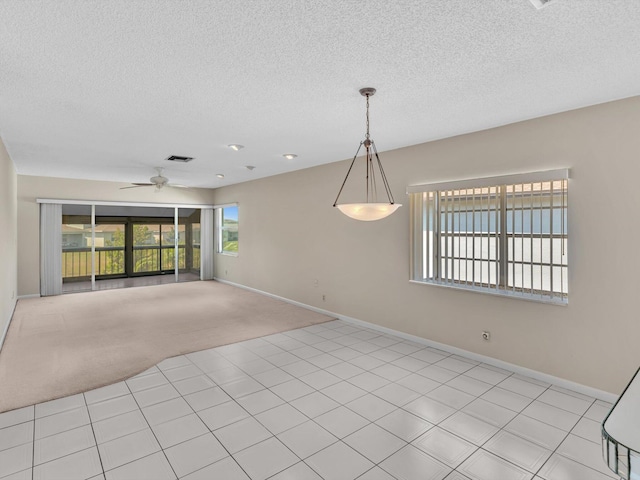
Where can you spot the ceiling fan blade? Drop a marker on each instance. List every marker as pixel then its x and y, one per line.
pixel 137 185
pixel 176 185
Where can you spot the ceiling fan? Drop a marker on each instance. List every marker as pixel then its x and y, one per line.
pixel 157 181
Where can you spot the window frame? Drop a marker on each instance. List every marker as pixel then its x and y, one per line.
pixel 426 237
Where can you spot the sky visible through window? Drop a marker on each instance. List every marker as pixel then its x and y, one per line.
pixel 230 213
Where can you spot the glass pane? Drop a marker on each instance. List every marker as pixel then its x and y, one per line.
pixel 515 275
pixel 76 248
pixel 195 245
pixel 463 229
pixel 189 244
pixel 167 241
pixel 229 231
pixel 110 249
pixel 559 279
pixel 146 247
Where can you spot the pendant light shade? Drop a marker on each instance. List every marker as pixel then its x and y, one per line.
pixel 368 211
pixel 371 209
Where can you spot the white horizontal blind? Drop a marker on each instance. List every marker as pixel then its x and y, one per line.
pixel 509 239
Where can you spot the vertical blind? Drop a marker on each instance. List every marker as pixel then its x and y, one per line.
pixel 505 235
pixel 50 249
pixel 206 244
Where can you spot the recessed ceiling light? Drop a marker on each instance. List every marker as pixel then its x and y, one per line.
pixel 235 146
pixel 249 167
pixel 289 156
pixel 219 175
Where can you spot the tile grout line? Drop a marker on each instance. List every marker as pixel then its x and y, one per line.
pixel 390 381
pixel 341 440
pixel 308 419
pixel 555 451
pixel 234 357
pixel 94 434
pixel 151 429
pixel 459 374
pixel 503 427
pixel 275 436
pixel 33 448
pixel 59 433
pixel 394 382
pixel 204 423
pixel 476 397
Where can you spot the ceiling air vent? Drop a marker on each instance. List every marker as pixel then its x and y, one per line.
pixel 178 158
pixel 541 3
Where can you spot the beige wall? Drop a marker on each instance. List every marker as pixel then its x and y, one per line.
pixel 30 188
pixel 290 237
pixel 8 239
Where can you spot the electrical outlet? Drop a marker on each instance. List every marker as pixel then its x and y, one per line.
pixel 486 336
pixel 324 298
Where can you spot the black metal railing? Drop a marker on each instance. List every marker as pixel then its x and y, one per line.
pixel 157 259
pixel 195 263
pixel 76 262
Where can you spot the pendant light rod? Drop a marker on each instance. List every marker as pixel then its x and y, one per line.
pixel 382 174
pixel 371 150
pixel 367 92
pixel 348 172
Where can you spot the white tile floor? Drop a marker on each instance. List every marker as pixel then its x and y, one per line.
pixel 332 401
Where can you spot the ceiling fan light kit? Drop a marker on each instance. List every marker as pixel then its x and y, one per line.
pixel 159 181
pixel 371 209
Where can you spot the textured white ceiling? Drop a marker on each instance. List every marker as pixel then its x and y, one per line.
pixel 108 89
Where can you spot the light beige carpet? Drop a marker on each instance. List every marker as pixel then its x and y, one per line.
pixel 59 346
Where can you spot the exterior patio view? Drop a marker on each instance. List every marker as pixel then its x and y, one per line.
pixel 129 247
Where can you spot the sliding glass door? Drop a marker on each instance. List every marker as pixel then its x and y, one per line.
pixel 127 243
pixel 155 245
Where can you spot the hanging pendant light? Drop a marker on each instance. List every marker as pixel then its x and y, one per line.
pixel 371 209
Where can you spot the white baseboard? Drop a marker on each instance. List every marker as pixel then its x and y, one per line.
pixel 527 372
pixel 33 295
pixel 6 328
pixel 536 375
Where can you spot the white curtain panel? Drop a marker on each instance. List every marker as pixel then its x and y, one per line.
pixel 206 244
pixel 50 249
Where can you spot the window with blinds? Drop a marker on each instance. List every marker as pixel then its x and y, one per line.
pixel 506 235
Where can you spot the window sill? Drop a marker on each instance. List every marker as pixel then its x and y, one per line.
pixel 228 254
pixel 498 293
